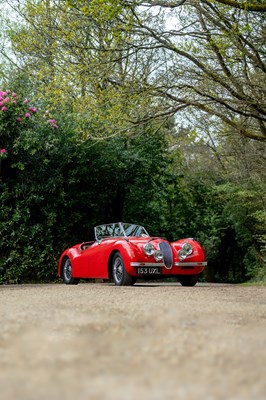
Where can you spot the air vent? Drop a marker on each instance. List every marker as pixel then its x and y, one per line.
pixel 167 254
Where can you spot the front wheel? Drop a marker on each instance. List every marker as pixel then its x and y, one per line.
pixel 188 280
pixel 120 275
pixel 67 273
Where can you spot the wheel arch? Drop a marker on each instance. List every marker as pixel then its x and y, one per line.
pixel 127 252
pixel 61 265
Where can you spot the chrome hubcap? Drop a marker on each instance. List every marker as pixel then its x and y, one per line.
pixel 68 270
pixel 118 269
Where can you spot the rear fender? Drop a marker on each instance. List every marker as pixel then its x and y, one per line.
pixel 72 254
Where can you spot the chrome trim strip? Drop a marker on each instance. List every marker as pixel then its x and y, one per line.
pixel 146 264
pixel 191 264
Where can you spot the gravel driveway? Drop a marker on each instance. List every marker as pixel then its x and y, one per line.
pixel 150 341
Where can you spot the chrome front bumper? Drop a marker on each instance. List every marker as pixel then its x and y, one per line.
pixel 146 264
pixel 191 264
pixel 176 264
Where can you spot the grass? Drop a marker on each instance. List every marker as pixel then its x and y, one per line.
pixel 255 283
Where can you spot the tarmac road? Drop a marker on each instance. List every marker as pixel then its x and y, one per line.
pixel 146 342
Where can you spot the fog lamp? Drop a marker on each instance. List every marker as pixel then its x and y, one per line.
pixel 158 255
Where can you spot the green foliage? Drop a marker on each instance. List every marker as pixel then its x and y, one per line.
pixel 54 189
pixel 101 10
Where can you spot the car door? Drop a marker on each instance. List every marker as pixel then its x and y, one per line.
pixel 93 262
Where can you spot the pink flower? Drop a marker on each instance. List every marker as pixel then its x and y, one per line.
pixel 52 122
pixel 1 104
pixel 6 100
pixel 25 101
pixel 3 153
pixel 14 94
pixel 3 108
pixel 18 119
pixel 27 115
pixel 33 109
pixel 8 91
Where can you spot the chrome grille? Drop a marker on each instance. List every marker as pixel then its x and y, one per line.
pixel 167 254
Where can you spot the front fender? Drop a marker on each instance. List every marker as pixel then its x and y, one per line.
pixel 129 252
pixel 197 254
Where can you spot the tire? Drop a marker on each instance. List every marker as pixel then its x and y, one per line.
pixel 120 275
pixel 188 280
pixel 67 273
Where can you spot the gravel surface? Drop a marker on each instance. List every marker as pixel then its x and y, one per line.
pixel 150 341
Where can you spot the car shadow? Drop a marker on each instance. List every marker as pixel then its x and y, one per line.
pixel 167 284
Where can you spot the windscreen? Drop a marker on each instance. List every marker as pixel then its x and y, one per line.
pixel 119 229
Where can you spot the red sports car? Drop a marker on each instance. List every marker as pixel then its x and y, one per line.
pixel 125 252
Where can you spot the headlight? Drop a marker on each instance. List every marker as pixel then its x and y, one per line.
pixel 187 248
pixel 185 251
pixel 148 249
pixel 158 255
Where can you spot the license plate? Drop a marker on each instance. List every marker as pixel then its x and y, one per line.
pixel 149 270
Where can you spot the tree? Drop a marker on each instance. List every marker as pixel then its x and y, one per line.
pixel 136 63
pixel 75 57
pixel 256 6
pixel 225 184
pixel 214 58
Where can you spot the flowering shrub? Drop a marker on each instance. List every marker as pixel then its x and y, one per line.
pixel 10 103
pixel 24 133
pixel 17 111
pixel 3 153
pixel 52 122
